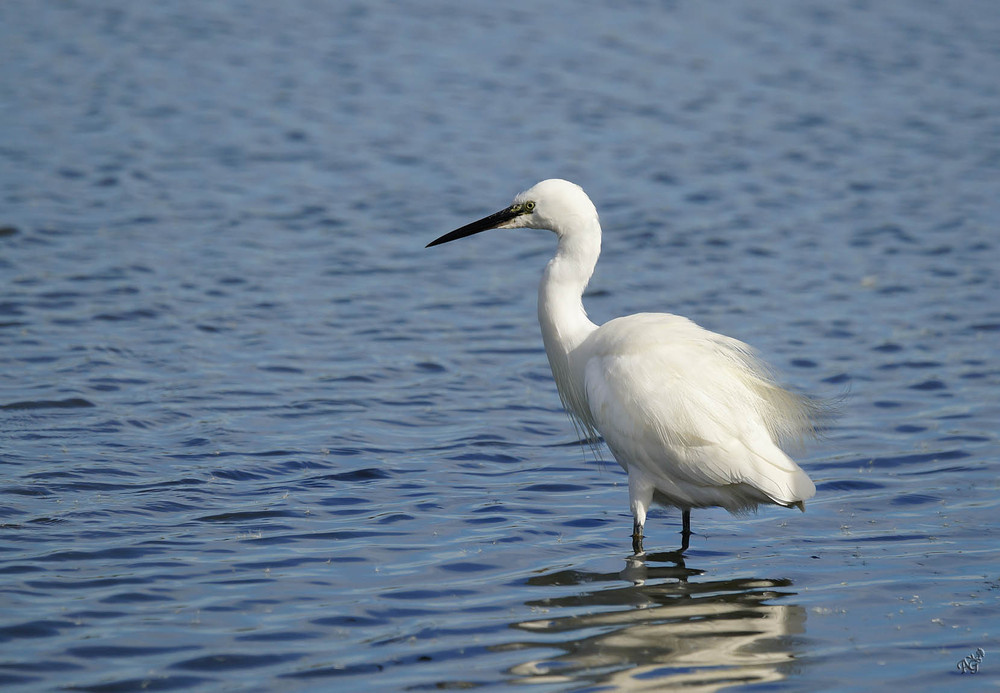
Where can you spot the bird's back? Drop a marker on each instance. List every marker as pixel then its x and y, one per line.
pixel 692 412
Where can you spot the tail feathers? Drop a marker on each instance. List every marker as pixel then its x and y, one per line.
pixel 778 476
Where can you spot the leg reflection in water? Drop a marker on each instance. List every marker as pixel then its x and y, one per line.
pixel 664 628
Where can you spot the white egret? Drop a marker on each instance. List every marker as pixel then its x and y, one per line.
pixel 693 417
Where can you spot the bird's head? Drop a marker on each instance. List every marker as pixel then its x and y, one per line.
pixel 553 204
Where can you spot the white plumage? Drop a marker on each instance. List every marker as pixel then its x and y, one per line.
pixel 693 417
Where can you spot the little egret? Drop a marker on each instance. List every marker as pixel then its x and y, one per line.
pixel 694 417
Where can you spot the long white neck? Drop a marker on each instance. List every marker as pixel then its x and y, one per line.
pixel 563 320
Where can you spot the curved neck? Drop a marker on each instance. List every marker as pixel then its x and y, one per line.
pixel 561 316
pixel 563 320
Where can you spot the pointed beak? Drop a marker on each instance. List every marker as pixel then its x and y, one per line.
pixel 485 224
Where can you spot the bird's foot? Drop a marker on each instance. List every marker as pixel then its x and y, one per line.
pixel 685 529
pixel 637 539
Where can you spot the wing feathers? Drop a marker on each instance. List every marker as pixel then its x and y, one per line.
pixel 694 410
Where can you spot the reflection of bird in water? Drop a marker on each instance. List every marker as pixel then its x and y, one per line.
pixel 701 636
pixel 692 416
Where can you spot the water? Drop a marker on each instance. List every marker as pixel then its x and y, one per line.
pixel 254 437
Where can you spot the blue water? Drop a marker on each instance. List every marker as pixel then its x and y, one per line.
pixel 254 437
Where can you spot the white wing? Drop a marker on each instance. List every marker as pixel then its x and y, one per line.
pixel 694 412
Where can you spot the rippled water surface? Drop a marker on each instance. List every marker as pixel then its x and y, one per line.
pixel 255 437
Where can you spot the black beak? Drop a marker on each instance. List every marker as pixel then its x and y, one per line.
pixel 490 222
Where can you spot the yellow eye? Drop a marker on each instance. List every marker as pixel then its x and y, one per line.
pixel 529 206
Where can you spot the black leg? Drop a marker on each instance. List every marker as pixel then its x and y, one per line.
pixel 685 528
pixel 636 537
